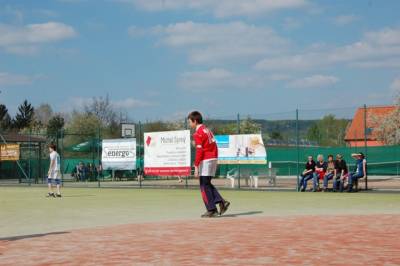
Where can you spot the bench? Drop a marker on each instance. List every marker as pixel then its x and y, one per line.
pixel 253 175
pixel 356 183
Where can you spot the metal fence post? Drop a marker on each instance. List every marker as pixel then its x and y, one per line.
pixel 98 157
pixel 40 168
pixel 93 151
pixel 238 131
pixel 185 123
pixel 298 149
pixel 29 160
pixel 396 155
pixel 238 123
pixel 365 143
pixel 141 170
pixel 57 145
pixel 62 156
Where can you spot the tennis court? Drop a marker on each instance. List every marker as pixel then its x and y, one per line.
pixel 155 226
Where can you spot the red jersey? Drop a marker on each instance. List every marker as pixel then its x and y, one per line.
pixel 206 145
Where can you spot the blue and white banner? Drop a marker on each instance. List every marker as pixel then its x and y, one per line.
pixel 241 149
pixel 119 154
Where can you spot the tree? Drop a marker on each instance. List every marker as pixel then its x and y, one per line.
pixel 329 131
pixel 248 126
pixel 55 124
pixel 24 117
pixel 3 111
pixel 314 133
pixel 81 127
pixel 84 124
pixel 43 113
pixel 222 129
pixel 276 135
pixel 102 109
pixel 5 119
pixel 156 126
pixel 388 130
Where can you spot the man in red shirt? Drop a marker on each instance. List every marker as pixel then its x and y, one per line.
pixel 206 165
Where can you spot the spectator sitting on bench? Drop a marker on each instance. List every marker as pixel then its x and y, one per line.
pixel 320 170
pixel 74 173
pixel 92 172
pixel 100 171
pixel 308 173
pixel 342 173
pixel 82 171
pixel 361 169
pixel 330 172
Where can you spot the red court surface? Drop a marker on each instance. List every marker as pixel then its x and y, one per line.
pixel 284 240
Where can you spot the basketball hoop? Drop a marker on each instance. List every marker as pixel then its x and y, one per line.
pixel 128 130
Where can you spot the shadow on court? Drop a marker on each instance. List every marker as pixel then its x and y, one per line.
pixel 16 238
pixel 242 214
pixel 78 196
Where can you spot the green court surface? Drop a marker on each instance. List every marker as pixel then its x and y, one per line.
pixel 26 211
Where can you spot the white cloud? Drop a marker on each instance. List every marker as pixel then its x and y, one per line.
pixel 220 8
pixel 219 78
pixel 131 103
pixel 22 50
pixel 215 43
pixel 345 19
pixel 384 63
pixel 8 79
pixel 278 77
pixel 386 36
pixel 395 85
pixel 135 31
pixel 315 81
pixel 72 1
pixel 291 24
pixel 27 39
pixel 77 103
pixel 375 49
pixel 12 14
pixel 290 62
pixel 212 78
pixel 45 13
pixel 218 45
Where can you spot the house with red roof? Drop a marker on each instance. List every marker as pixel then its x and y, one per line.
pixel 365 122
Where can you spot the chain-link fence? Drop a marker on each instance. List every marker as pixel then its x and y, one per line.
pixel 289 137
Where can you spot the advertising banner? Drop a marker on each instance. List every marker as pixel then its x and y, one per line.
pixel 241 149
pixel 167 153
pixel 9 152
pixel 119 154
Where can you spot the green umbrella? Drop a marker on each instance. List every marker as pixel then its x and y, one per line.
pixel 86 146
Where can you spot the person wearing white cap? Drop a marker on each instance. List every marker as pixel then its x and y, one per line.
pixel 361 170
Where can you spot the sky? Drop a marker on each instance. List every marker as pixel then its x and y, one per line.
pixel 160 59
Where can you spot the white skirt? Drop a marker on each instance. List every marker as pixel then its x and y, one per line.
pixel 208 167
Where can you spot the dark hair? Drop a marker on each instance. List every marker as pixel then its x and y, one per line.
pixel 196 116
pixel 362 155
pixel 330 156
pixel 53 146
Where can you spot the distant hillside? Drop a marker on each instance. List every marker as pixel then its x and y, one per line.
pixel 285 127
pixel 278 132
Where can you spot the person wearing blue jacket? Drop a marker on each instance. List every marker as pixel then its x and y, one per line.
pixel 360 172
